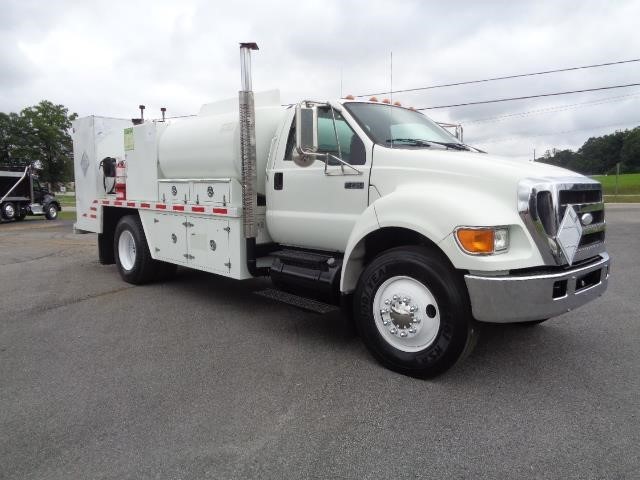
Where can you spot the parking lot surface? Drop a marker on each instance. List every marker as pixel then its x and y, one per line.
pixel 201 378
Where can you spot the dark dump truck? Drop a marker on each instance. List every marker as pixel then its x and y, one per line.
pixel 21 194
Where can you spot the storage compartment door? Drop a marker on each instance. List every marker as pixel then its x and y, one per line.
pixel 167 237
pixel 173 192
pixel 210 193
pixel 208 241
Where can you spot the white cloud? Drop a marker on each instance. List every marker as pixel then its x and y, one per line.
pixel 105 58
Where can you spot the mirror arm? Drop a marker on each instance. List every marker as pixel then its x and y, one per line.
pixel 326 159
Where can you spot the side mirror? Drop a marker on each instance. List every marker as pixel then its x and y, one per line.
pixel 306 135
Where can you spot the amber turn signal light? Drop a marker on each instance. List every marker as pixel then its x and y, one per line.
pixel 476 240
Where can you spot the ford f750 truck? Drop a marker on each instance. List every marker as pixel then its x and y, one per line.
pixel 366 204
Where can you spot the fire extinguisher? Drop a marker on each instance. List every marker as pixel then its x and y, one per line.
pixel 121 180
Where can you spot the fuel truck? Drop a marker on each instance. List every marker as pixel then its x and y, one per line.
pixel 361 203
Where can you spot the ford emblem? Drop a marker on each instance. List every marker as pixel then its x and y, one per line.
pixel 586 219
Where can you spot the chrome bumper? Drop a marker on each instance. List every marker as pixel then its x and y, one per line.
pixel 520 298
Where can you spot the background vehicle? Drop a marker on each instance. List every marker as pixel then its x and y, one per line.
pixel 21 194
pixel 366 204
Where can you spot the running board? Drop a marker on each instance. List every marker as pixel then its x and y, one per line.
pixel 297 301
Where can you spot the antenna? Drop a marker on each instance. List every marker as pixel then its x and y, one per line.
pixel 391 82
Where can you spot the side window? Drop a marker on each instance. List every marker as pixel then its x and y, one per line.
pixel 351 145
pixel 291 141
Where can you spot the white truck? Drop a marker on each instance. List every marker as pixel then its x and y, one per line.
pixel 364 204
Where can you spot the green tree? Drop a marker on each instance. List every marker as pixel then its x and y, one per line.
pixel 8 137
pixel 45 139
pixel 630 153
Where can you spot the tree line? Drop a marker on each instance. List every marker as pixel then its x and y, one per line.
pixel 600 155
pixel 40 136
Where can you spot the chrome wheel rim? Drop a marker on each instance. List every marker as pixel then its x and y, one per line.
pixel 9 211
pixel 53 212
pixel 406 314
pixel 127 250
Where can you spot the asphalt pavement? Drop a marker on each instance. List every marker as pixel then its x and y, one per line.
pixel 202 378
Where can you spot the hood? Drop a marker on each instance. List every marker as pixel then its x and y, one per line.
pixel 433 168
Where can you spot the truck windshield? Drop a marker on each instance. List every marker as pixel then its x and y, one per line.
pixel 399 127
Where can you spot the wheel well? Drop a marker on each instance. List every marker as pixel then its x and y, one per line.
pixel 110 218
pixel 375 243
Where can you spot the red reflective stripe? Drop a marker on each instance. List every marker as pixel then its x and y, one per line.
pixel 161 206
pixel 95 201
pixel 105 202
pixel 145 205
pixel 92 216
pixel 197 209
pixel 117 204
pixel 131 204
pixel 179 208
pixel 220 210
pixel 93 208
pixel 84 214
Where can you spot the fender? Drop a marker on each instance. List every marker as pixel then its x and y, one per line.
pixel 434 213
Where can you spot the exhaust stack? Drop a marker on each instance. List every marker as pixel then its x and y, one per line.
pixel 248 154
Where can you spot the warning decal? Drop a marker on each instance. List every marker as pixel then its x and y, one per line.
pixel 128 139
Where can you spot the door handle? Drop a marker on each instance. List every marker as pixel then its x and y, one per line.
pixel 278 181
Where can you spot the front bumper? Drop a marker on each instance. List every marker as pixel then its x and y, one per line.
pixel 521 298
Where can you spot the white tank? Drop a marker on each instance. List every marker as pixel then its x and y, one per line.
pixel 208 145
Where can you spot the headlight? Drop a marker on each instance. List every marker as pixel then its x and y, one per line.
pixel 483 240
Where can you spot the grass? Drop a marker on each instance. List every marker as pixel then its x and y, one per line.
pixel 628 184
pixel 66 215
pixel 66 200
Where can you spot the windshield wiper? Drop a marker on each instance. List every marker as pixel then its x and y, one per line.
pixel 413 141
pixel 454 145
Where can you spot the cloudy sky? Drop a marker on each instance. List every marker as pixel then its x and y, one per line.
pixel 106 57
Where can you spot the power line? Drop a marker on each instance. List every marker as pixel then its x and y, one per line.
pixel 484 80
pixel 529 96
pixel 557 133
pixel 556 108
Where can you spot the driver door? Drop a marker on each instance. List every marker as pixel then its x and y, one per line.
pixel 313 208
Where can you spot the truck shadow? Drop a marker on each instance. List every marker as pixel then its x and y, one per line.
pixel 516 350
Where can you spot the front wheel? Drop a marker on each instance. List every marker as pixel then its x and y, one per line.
pixel 413 311
pixel 51 211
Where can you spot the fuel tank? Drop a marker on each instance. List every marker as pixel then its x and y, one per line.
pixel 208 144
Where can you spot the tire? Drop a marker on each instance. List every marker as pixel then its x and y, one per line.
pixel 131 250
pixel 8 210
pixel 413 312
pixel 51 211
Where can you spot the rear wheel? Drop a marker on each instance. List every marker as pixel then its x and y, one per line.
pixel 51 211
pixel 413 312
pixel 8 210
pixel 132 252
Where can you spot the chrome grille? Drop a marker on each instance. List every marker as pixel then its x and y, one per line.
pixel 542 205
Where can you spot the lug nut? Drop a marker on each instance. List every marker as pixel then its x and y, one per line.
pixel 403 334
pixel 387 302
pixel 412 330
pixel 395 297
pixel 385 322
pixel 416 320
pixel 394 330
